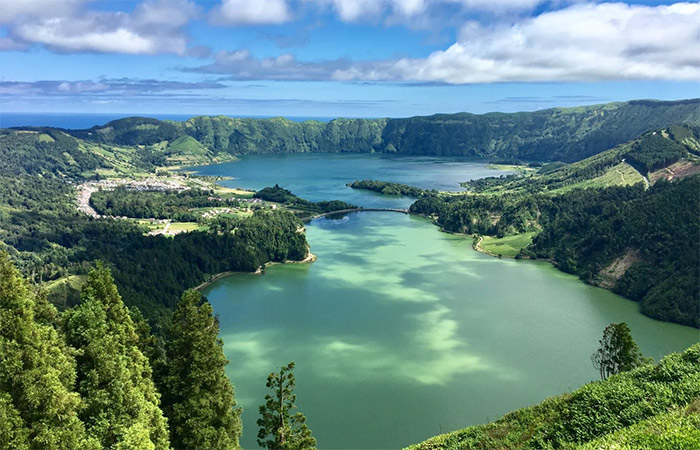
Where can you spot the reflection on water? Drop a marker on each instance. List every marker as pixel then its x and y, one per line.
pixel 400 332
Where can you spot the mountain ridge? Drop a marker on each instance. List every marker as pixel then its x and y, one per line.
pixel 566 134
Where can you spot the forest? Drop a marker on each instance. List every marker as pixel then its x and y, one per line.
pixel 283 196
pixel 583 231
pixel 388 188
pixel 564 134
pixel 91 377
pixel 156 204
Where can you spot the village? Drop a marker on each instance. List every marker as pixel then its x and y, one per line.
pixel 165 227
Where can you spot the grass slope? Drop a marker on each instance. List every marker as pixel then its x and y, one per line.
pixel 646 405
pixel 623 165
pixel 508 246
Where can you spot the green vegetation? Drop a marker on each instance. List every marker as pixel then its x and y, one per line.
pixel 587 231
pixel 644 405
pixel 50 241
pixel 387 188
pixel 280 195
pixel 198 397
pixel 38 405
pixel 176 206
pixel 82 379
pixel 566 134
pixel 678 429
pixel 617 352
pixel 591 220
pixel 623 165
pixel 279 428
pixel 120 405
pixel 509 246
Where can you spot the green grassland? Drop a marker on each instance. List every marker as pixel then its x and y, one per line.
pixel 621 174
pixel 508 246
pixel 652 407
pixel 623 165
pixel 64 291
pixel 183 227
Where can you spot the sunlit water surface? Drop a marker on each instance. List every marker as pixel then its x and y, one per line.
pixel 399 331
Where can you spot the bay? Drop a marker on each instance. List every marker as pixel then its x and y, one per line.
pixel 400 331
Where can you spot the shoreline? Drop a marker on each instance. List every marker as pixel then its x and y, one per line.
pixel 310 258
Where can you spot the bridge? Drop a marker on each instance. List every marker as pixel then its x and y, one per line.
pixel 343 211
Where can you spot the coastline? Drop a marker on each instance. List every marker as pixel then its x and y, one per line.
pixel 310 258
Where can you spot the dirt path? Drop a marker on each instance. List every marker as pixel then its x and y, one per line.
pixel 621 174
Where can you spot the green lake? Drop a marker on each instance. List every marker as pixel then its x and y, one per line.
pixel 399 331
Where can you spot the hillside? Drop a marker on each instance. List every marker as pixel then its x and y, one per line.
pixel 598 219
pixel 646 159
pixel 652 407
pixel 50 241
pixel 565 134
pixel 649 257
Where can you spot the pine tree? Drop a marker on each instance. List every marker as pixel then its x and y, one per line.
pixel 120 402
pixel 198 397
pixel 279 428
pixel 38 409
pixel 617 352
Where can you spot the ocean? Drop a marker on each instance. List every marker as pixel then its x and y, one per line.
pixel 76 121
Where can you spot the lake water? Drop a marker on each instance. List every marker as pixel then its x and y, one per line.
pixel 399 331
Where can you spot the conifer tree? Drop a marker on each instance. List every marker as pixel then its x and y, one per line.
pixel 120 402
pixel 198 397
pixel 38 409
pixel 617 352
pixel 279 428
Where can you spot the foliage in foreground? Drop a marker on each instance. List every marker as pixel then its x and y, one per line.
pixel 38 405
pixel 120 402
pixel 82 379
pixel 678 429
pixel 280 429
pixel 617 352
pixel 597 410
pixel 195 386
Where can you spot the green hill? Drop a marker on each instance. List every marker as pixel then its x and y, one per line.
pixel 652 407
pixel 566 134
pixel 626 164
pixel 599 219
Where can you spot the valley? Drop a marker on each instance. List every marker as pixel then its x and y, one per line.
pixel 387 301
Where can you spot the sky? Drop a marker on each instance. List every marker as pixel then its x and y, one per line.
pixel 349 58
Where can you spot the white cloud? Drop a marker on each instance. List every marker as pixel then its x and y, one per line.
pixel 241 65
pixel 114 86
pixel 586 42
pixel 11 10
pixel 250 12
pixel 374 10
pixel 155 26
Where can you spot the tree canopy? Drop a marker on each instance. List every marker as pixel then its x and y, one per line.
pixel 197 395
pixel 120 402
pixel 280 429
pixel 617 352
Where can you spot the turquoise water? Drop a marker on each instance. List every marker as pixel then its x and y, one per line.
pixel 400 332
pixel 324 176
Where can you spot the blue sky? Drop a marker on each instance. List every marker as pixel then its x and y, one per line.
pixel 353 58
